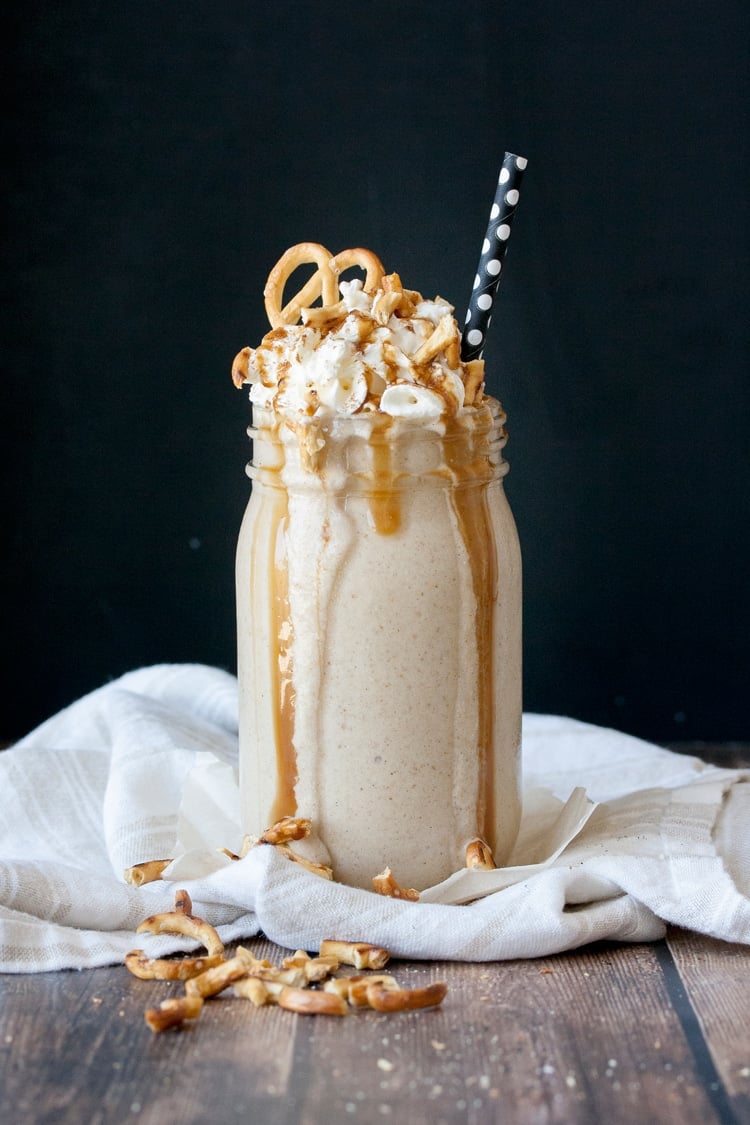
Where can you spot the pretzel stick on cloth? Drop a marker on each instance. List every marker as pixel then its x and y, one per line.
pixel 148 872
pixel 174 922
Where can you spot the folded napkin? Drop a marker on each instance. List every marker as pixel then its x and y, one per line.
pixel 618 838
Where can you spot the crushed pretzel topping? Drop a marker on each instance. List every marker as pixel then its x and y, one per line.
pixel 369 345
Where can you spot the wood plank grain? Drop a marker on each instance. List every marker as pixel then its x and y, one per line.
pixel 580 1038
pixel 716 978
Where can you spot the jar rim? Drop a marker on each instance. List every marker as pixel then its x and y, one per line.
pixel 481 417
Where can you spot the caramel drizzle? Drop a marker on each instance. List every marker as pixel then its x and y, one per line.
pixel 282 685
pixel 473 514
pixel 385 508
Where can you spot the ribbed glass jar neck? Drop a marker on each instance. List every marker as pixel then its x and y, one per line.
pixel 372 451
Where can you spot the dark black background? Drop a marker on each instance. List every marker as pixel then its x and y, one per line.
pixel 159 157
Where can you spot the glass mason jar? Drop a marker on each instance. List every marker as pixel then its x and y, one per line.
pixel 379 641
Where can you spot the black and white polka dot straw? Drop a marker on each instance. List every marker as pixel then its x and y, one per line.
pixel 490 266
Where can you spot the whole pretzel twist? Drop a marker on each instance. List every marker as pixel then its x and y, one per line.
pixel 323 283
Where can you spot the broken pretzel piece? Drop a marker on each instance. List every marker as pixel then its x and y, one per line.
pixel 474 381
pixel 385 884
pixel 183 903
pixel 254 990
pixel 313 969
pixel 385 304
pixel 309 1002
pixel 309 864
pixel 174 922
pixel 442 335
pixel 279 835
pixel 218 978
pixel 363 259
pixel 240 367
pixel 286 829
pixel 358 986
pixel 320 315
pixel 359 954
pixel 171 1013
pixel 264 970
pixel 147 872
pixel 148 968
pixel 479 856
pixel 384 999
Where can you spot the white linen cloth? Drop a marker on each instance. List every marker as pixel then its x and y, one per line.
pixel 116 779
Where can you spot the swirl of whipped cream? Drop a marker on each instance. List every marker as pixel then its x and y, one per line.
pixel 409 400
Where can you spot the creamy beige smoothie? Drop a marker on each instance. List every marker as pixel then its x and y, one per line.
pixel 378 590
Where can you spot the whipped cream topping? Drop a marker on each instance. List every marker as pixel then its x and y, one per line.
pixel 387 350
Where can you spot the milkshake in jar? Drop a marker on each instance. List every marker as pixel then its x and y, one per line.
pixel 378 583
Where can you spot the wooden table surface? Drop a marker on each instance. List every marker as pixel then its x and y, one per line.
pixel 608 1034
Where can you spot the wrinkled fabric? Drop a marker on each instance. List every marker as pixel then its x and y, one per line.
pixel 105 784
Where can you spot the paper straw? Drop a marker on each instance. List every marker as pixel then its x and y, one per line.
pixel 491 259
